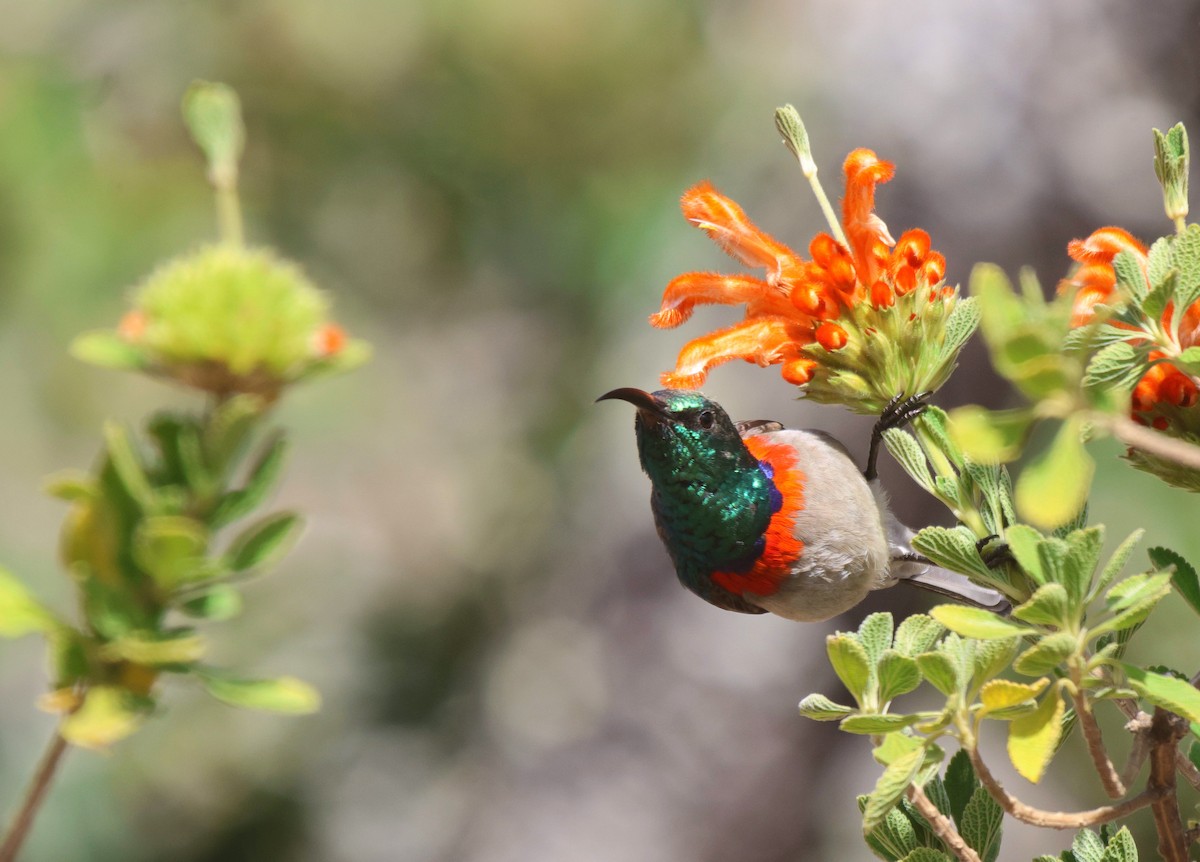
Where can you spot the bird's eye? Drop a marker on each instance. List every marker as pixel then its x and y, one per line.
pixel 705 419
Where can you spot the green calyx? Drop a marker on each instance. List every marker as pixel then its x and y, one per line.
pixel 226 319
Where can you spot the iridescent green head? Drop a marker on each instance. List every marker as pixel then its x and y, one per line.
pixel 712 499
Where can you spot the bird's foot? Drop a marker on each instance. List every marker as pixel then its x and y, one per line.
pixel 899 412
pixel 995 556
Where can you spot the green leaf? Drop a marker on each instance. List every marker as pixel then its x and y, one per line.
pixel 1170 693
pixel 1183 575
pixel 157 648
pixel 894 838
pixel 926 854
pixel 74 486
pixel 108 714
pixel 220 602
pixel 1033 738
pixel 229 428
pixel 917 634
pixel 171 549
pixel 1088 847
pixel 265 542
pixel 1047 606
pixel 213 115
pixel 1121 847
pixel 20 612
pixel 1159 260
pixel 285 694
pixel 263 475
pixel 850 663
pixel 1118 366
pixel 1000 694
pixel 107 349
pixel 1132 600
pixel 953 548
pixel 1083 554
pixel 1001 313
pixel 1054 486
pixel 941 671
pixel 992 657
pixel 990 436
pixel 820 708
pixel 936 423
pixel 1186 255
pixel 1129 274
pixel 127 465
pixel 959 326
pixel 1189 360
pixel 980 826
pixel 1023 542
pixel 977 623
pixel 1116 562
pixel 898 674
pixel 875 634
pixel 1046 655
pixel 870 725
pixel 891 786
pixel 907 452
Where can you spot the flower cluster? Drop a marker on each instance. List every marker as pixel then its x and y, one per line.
pixel 864 319
pixel 1163 389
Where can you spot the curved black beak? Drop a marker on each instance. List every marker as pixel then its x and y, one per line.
pixel 639 398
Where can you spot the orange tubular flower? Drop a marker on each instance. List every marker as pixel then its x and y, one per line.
pixel 1163 386
pixel 801 314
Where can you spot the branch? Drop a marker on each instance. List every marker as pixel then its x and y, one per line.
pixel 1139 727
pixel 1149 440
pixel 1183 765
pixel 942 826
pixel 1166 730
pixel 1095 743
pixel 1054 819
pixel 34 796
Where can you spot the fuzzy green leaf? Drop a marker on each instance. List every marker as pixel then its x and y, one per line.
pixel 265 542
pixel 894 838
pixel 263 475
pixel 220 602
pixel 1121 847
pixel 1116 562
pixel 1177 695
pixel 1088 847
pixel 959 326
pixel 850 662
pixel 1118 366
pixel 980 826
pixel 907 452
pixel 213 115
pixel 1033 738
pixel 1183 574
pixel 875 634
pixel 71 485
pixel 917 634
pixel 20 612
pixel 941 672
pixel 891 786
pixel 990 436
pixel 1132 600
pixel 953 548
pixel 1046 655
pixel 127 465
pixel 1054 486
pixel 1129 274
pixel 1023 542
pixel 1189 360
pixel 107 349
pixel 157 648
pixel 285 694
pixel 820 708
pixel 171 549
pixel 1048 606
pixel 1000 694
pixel 1186 254
pixel 992 657
pixel 926 854
pixel 1083 554
pixel 977 623
pixel 960 784
pixel 869 725
pixel 898 674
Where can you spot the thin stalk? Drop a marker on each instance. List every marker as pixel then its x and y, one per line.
pixel 34 796
pixel 1095 741
pixel 1055 819
pixel 1166 730
pixel 789 124
pixel 943 826
pixel 229 215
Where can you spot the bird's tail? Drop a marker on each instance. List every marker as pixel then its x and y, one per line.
pixel 951 585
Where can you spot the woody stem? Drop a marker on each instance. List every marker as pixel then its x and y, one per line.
pixel 34 796
pixel 942 825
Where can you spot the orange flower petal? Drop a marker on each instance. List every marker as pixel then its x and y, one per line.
pixel 1103 245
pixel 761 340
pixel 727 224
pixel 864 230
pixel 912 247
pixel 707 288
pixel 831 336
pixel 882 295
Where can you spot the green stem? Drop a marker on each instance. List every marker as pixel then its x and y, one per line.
pixel 34 796
pixel 229 215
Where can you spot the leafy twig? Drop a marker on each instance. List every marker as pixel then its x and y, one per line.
pixel 34 796
pixel 943 826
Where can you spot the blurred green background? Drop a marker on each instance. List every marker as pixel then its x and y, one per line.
pixel 489 191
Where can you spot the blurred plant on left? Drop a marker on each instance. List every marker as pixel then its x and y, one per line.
pixel 147 540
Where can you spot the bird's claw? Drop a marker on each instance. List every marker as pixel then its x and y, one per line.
pixel 896 414
pixel 995 556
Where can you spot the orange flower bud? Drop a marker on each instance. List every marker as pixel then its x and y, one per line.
pixel 882 295
pixel 330 339
pixel 934 268
pixel 831 336
pixel 912 247
pixel 906 280
pixel 798 371
pixel 132 325
pixel 1177 389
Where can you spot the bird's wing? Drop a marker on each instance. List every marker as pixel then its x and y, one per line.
pixel 750 427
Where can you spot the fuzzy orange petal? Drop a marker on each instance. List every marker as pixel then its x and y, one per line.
pixel 1105 244
pixel 727 224
pixel 865 231
pixel 708 288
pixel 763 340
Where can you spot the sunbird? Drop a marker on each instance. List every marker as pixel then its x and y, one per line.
pixel 757 517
